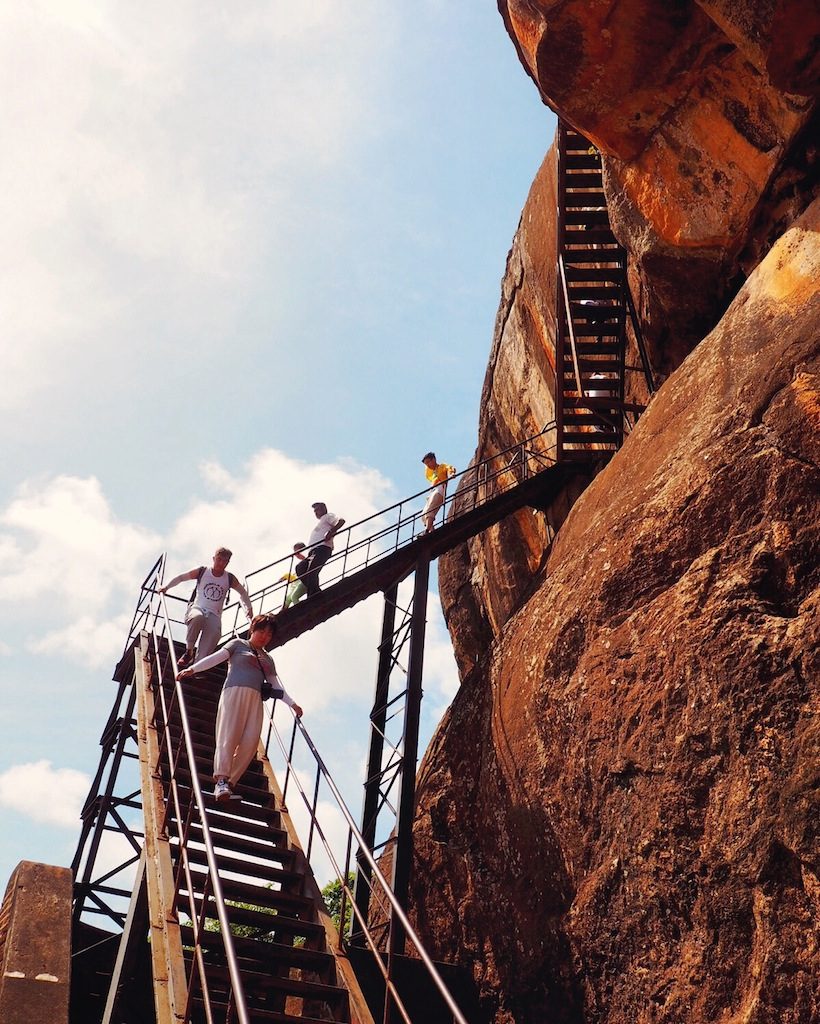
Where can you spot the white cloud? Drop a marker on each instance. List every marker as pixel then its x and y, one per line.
pixel 139 185
pixel 86 640
pixel 5 649
pixel 44 793
pixel 71 554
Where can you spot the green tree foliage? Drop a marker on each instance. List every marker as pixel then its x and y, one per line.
pixel 332 895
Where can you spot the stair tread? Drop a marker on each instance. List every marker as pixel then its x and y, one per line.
pixel 273 1016
pixel 262 872
pixel 265 922
pixel 223 823
pixel 263 952
pixel 258 895
pixel 258 979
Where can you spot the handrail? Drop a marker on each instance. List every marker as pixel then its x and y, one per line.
pixel 568 310
pixel 353 831
pixel 210 856
pixel 352 554
pixel 646 366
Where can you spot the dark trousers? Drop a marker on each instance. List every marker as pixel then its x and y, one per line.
pixel 308 571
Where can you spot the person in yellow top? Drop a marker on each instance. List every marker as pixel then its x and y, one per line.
pixel 296 589
pixel 437 473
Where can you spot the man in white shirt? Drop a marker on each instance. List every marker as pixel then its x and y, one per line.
pixel 320 547
pixel 204 614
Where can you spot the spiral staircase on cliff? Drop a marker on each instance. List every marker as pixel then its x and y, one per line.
pixel 217 913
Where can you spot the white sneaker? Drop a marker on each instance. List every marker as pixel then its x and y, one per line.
pixel 222 790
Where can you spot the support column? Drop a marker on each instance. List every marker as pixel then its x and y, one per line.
pixel 372 784
pixel 403 852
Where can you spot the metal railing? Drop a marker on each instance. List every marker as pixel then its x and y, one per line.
pixel 382 896
pixel 365 542
pixel 182 812
pixel 186 809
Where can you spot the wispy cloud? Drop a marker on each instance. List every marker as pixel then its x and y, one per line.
pixel 43 793
pixel 141 187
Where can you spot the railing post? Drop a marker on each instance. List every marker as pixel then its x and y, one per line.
pixel 378 719
pixel 403 855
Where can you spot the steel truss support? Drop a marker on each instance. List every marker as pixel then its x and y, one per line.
pixel 103 813
pixel 393 763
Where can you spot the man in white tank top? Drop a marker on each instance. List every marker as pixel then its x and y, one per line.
pixel 204 614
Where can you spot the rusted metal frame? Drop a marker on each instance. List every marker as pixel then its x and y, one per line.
pixel 345 891
pixel 170 983
pixel 182 847
pixel 312 811
pixel 219 901
pixel 154 573
pixel 136 919
pixel 403 856
pixel 103 805
pixel 102 908
pixel 198 959
pixel 639 340
pixel 376 874
pixel 289 756
pixel 378 718
pixel 157 709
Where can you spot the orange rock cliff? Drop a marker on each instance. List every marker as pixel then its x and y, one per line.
pixel 618 818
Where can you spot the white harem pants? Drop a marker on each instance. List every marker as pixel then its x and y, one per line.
pixel 238 725
pixel 434 502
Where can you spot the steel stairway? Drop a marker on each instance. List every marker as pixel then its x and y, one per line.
pixel 281 932
pixel 593 303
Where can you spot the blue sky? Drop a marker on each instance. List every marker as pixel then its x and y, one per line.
pixel 251 260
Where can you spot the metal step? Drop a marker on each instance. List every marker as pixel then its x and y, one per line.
pixel 250 846
pixel 579 291
pixel 582 179
pixel 245 867
pixel 264 953
pixel 257 896
pixel 267 923
pixel 584 197
pixel 257 1015
pixel 256 981
pixel 594 236
pixel 593 437
pixel 587 365
pixel 582 276
pixel 589 217
pixel 585 254
pixel 581 161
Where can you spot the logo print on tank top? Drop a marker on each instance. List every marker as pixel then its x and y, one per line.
pixel 214 592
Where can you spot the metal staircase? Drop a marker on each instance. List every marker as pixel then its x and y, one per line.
pixel 238 929
pixel 593 304
pixel 223 913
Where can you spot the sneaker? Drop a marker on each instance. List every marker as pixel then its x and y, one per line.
pixel 222 790
pixel 185 659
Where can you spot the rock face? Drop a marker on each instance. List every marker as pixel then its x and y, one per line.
pixel 617 820
pixel 622 804
pixel 698 109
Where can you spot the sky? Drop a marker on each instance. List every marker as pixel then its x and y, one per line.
pixel 251 259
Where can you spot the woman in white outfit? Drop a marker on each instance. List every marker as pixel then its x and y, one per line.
pixel 239 715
